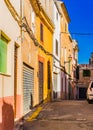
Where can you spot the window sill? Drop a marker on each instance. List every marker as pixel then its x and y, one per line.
pixel 5 74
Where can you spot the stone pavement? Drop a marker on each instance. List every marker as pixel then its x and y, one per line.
pixel 61 115
pixel 30 116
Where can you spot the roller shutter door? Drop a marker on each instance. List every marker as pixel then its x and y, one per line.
pixel 28 86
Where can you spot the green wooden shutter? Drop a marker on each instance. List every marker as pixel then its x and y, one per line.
pixel 3 56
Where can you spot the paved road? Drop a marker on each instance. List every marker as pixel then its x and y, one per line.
pixel 63 115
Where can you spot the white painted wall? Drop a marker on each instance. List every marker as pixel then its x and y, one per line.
pixel 48 7
pixel 56 36
pixel 10 27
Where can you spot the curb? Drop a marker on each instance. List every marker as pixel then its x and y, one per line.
pixel 29 116
pixel 35 114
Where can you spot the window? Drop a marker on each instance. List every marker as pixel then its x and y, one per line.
pixel 77 72
pixel 65 27
pixel 92 85
pixel 3 56
pixel 56 16
pixel 65 54
pixel 33 21
pixel 86 73
pixel 3 52
pixel 56 47
pixel 41 32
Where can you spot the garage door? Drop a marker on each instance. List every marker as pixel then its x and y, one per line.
pixel 82 93
pixel 28 86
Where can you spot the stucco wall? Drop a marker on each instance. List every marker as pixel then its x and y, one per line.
pixel 10 27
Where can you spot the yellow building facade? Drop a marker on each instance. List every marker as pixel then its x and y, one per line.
pixel 44 35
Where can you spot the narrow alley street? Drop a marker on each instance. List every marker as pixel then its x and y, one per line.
pixel 46 65
pixel 63 115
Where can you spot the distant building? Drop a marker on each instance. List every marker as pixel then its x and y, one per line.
pixel 91 59
pixel 84 76
pixel 69 57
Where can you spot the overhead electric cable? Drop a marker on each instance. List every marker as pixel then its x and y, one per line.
pixel 75 33
pixel 23 23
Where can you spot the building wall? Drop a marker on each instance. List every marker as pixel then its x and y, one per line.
pixel 85 67
pixel 47 44
pixel 37 53
pixel 56 38
pixel 51 8
pixel 83 81
pixel 12 30
pixel 29 50
pixel 48 7
pixel 66 49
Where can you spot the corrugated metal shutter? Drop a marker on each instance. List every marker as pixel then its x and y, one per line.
pixel 28 86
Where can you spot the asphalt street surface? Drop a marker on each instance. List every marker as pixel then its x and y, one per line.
pixel 63 115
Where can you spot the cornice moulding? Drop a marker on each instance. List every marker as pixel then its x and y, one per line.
pixel 42 14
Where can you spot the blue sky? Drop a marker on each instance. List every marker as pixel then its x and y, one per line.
pixel 81 15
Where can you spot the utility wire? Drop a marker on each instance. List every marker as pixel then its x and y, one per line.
pixel 86 34
pixel 75 33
